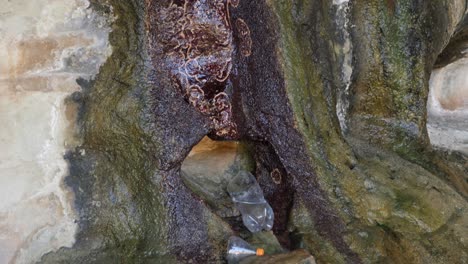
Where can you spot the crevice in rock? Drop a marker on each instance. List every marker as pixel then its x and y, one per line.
pixel 211 164
pixel 277 187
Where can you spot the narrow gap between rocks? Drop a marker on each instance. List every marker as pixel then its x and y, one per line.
pixel 210 166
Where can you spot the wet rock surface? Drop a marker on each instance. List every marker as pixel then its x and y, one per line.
pixel 359 186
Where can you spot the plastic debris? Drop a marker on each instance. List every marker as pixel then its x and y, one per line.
pixel 247 196
pixel 239 249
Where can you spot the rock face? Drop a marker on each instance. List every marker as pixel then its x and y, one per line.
pixel 44 47
pixel 448 106
pixel 327 98
pixel 208 169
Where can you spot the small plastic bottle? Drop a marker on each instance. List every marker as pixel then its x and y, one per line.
pixel 257 214
pixel 238 249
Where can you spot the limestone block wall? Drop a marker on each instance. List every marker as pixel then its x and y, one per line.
pixel 45 45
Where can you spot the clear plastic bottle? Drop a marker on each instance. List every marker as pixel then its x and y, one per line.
pixel 238 249
pixel 257 214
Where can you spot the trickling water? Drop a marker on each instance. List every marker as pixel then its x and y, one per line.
pixel 346 56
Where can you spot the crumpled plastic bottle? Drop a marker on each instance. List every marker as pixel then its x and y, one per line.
pixel 247 195
pixel 238 249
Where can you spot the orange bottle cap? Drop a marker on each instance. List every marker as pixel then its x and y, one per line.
pixel 260 252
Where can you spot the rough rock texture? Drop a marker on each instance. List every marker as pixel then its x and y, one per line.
pixel 348 172
pixel 339 145
pixel 208 169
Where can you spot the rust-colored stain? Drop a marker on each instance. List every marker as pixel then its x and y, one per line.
pixel 30 59
pixel 39 53
pixel 243 32
pixel 276 176
pixel 391 5
pixel 455 102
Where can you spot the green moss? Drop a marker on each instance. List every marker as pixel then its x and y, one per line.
pixel 428 217
pixel 304 84
pixel 313 111
pixel 392 81
pixel 305 236
pixel 112 126
pixel 404 201
pixel 219 233
pixel 245 157
pixel 129 219
pixel 388 110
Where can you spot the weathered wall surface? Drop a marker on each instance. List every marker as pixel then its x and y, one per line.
pixel 45 46
pixel 448 106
